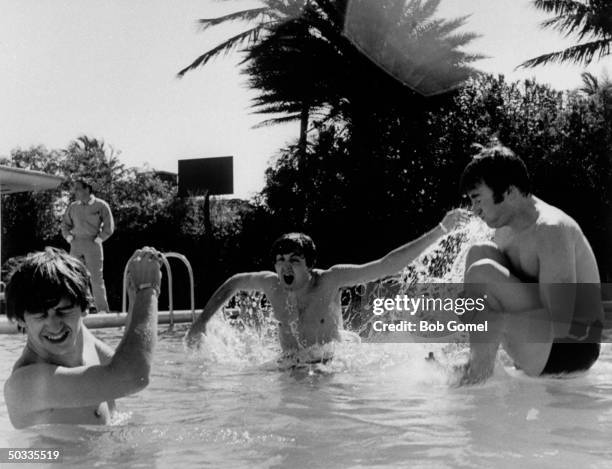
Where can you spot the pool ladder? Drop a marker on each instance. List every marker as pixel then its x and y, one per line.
pixel 165 257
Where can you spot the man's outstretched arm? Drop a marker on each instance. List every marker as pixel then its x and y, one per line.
pixel 234 284
pixel 393 262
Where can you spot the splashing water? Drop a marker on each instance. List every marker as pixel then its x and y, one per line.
pixel 436 273
pixel 252 338
pixel 238 343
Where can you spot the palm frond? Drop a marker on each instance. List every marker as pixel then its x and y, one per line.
pixel 448 26
pixel 244 15
pixel 225 47
pixel 271 104
pixel 571 24
pixel 559 23
pixel 429 8
pixel 419 13
pixel 461 39
pixel 599 21
pixel 590 83
pixel 580 54
pixel 469 58
pixel 593 18
pixel 560 7
pixel 278 120
pixel 426 28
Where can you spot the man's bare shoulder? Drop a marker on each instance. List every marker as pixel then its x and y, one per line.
pixel 26 358
pixel 25 375
pixel 551 216
pixel 265 275
pixel 332 277
pixel 320 275
pixel 554 223
pixel 33 368
pixel 557 237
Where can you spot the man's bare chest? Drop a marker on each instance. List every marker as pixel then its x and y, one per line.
pixel 94 414
pixel 314 307
pixel 89 415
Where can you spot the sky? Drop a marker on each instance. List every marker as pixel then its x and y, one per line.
pixel 107 69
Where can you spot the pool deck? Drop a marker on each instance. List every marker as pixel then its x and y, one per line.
pixel 98 321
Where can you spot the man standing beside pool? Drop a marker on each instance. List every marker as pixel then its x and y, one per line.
pixel 87 223
pixel 65 374
pixel 305 300
pixel 539 276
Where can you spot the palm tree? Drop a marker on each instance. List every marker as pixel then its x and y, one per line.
pixel 406 40
pixel 590 84
pixel 589 19
pixel 273 11
pixel 594 86
pixel 598 89
pixel 97 161
pixel 319 57
pixel 294 66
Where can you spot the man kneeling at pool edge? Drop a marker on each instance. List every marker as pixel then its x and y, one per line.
pixel 306 300
pixel 65 374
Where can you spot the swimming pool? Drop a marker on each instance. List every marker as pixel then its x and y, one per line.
pixel 377 405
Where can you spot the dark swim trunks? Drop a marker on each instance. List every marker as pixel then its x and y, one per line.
pixel 569 355
pixel 566 357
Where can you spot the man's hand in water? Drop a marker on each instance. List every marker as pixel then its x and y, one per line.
pixel 144 271
pixel 193 339
pixel 454 219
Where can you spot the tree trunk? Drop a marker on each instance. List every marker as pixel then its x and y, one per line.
pixel 303 141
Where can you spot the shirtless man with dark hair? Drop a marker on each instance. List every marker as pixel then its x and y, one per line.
pixel 65 374
pixel 539 275
pixel 305 300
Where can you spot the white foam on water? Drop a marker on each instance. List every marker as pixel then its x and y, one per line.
pixel 236 345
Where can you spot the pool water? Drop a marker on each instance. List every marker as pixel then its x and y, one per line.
pixel 376 405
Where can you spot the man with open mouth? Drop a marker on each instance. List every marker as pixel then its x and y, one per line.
pixel 65 374
pixel 306 300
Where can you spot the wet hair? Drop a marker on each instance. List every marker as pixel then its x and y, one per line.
pixel 296 243
pixel 85 183
pixel 499 168
pixel 41 279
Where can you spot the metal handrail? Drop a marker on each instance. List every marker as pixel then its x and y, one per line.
pixel 165 257
pixel 176 255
